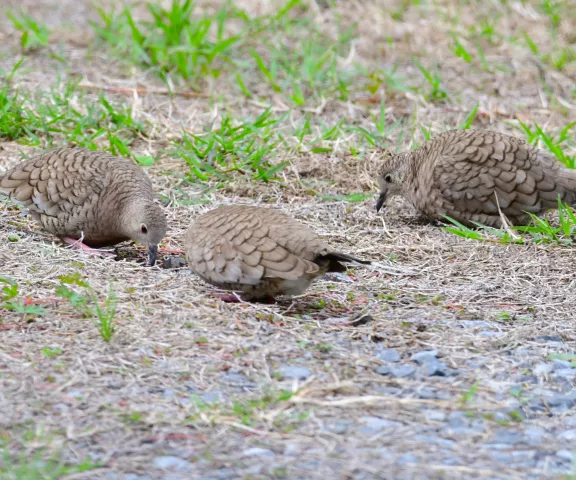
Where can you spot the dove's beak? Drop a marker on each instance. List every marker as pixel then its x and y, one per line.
pixel 381 200
pixel 152 254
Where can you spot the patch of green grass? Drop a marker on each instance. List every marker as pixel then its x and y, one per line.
pixel 39 466
pixel 35 34
pixel 68 116
pixel 283 50
pixel 539 231
pixel 88 305
pixel 554 143
pixel 435 91
pixel 8 300
pixel 176 43
pixel 247 147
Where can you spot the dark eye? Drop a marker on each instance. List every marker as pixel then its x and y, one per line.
pixel 144 229
pixel 388 178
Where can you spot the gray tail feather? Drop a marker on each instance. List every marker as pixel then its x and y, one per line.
pixel 343 257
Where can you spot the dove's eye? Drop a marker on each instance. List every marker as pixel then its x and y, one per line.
pixel 388 178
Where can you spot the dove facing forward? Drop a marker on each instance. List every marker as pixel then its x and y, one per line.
pixel 469 174
pixel 88 198
pixel 260 251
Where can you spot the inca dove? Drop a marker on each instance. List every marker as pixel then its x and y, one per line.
pixel 468 174
pixel 87 196
pixel 260 251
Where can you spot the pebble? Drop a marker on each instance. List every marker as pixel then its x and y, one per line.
pixel 258 452
pixel 389 355
pixel 549 338
pixel 425 356
pixel 238 380
pixel 175 464
pixel 561 363
pixel 568 435
pixel 401 371
pixel 293 372
pixel 509 437
pixel 565 455
pixel 212 397
pixel 542 369
pixel 376 424
pixel 433 368
pixel 565 373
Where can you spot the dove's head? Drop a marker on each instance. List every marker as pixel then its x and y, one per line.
pixel 391 177
pixel 146 223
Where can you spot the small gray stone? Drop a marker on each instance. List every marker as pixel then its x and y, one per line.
pixel 559 364
pixel 524 458
pixel 549 338
pixel 490 334
pixel 212 397
pixel 565 373
pixel 383 370
pixel 568 435
pixel 75 394
pixel 425 356
pixel 534 435
pixel 389 355
pixel 403 371
pixel 435 415
pixel 565 455
pixel 174 464
pixel 509 437
pixel 377 424
pixel 433 368
pixel 458 419
pixel 570 421
pixel 258 452
pixel 407 458
pixel 293 372
pixel 542 369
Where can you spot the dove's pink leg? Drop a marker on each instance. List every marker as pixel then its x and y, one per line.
pixel 85 248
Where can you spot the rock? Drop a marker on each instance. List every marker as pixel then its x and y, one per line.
pixel 542 369
pixel 238 380
pixel 425 356
pixel 559 364
pixel 524 458
pixel 377 424
pixel 389 355
pixel 212 397
pixel 75 394
pixel 293 372
pixel 258 452
pixel 174 464
pixel 568 435
pixel 534 435
pixel 407 458
pixel 549 338
pixel 568 373
pixel 383 370
pixel 435 415
pixel 173 262
pixel 509 437
pixel 433 368
pixel 336 277
pixel 403 371
pixel 565 455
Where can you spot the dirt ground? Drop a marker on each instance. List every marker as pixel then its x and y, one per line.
pixel 447 358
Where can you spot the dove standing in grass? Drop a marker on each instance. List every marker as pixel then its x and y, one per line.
pixel 88 198
pixel 259 251
pixel 470 174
